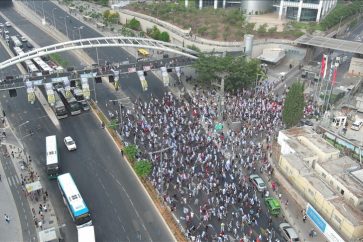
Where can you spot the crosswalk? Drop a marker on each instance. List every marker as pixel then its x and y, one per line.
pixel 13 181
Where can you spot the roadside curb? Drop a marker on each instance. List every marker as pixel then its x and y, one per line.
pixel 146 186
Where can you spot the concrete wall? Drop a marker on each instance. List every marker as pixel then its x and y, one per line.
pixel 181 37
pixel 356 67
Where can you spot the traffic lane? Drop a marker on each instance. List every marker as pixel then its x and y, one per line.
pixel 118 195
pixel 65 21
pixel 18 110
pixel 132 85
pixel 38 35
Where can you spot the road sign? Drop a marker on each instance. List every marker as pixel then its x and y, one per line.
pixel 322 225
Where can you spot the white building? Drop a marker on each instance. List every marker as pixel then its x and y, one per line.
pixel 305 10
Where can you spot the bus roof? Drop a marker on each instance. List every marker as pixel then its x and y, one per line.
pixel 86 234
pixel 51 149
pixel 72 194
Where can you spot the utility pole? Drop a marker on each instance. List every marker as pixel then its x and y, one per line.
pixel 220 98
pixel 119 101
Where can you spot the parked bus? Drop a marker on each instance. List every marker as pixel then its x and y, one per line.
pixel 52 156
pixel 143 52
pixel 59 107
pixel 69 101
pixel 16 42
pixel 73 200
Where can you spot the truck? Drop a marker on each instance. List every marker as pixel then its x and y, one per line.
pixel 69 100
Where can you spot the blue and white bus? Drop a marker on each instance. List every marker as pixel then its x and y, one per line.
pixel 73 199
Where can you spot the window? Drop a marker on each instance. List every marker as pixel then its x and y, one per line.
pixel 342 192
pixel 337 219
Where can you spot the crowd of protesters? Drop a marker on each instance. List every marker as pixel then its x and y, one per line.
pixel 203 174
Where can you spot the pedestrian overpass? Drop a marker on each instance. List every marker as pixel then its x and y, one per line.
pixel 331 43
pixel 116 41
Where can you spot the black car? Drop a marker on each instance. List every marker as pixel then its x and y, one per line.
pixel 306 122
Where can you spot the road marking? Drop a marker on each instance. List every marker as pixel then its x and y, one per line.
pixel 13 178
pixel 9 181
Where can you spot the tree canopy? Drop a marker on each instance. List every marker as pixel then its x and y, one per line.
pixel 294 105
pixel 143 168
pixel 238 71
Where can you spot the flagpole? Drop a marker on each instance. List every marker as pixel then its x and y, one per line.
pixel 322 74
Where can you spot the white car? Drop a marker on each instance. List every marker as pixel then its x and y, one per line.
pixel 289 232
pixel 7 24
pixel 1 25
pixel 258 182
pixel 70 144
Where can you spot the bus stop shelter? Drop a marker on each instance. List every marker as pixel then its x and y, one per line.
pixel 51 234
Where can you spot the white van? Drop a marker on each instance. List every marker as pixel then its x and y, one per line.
pixel 357 125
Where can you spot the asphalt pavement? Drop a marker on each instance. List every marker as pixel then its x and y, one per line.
pixel 119 207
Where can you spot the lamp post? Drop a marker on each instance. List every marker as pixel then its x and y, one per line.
pixel 65 23
pixel 79 31
pixel 21 138
pixel 55 25
pixel 43 10
pixel 340 22
pixel 119 101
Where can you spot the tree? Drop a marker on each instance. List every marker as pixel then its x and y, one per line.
pixel 238 71
pixel 294 105
pixel 143 168
pixel 262 28
pixel 131 152
pixel 106 15
pixel 154 33
pixel 249 28
pixel 134 24
pixel 164 36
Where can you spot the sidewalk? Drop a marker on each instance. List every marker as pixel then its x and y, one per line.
pixel 8 231
pixel 27 183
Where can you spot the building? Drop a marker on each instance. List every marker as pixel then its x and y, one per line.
pixel 249 7
pixel 330 182
pixel 305 10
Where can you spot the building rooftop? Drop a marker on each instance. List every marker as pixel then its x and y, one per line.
pixel 341 169
pixel 298 131
pixel 355 215
pixel 298 163
pixel 320 186
pixel 301 150
pixel 319 142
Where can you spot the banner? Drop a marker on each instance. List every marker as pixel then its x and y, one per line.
pixel 50 93
pixel 144 84
pixel 30 91
pixel 85 88
pixel 324 66
pixel 334 78
pixel 165 76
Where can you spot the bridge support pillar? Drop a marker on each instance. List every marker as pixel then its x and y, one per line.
pixel 309 53
pixel 186 3
pixel 224 3
pixel 200 4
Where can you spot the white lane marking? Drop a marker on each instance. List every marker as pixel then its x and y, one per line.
pixel 9 181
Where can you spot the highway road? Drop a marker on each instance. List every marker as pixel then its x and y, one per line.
pixel 120 209
pixel 66 22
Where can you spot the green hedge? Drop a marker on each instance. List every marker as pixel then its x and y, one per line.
pixel 341 12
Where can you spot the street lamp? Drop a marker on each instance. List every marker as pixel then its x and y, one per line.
pixel 120 106
pixel 340 22
pixel 55 25
pixel 21 138
pixel 65 23
pixel 79 31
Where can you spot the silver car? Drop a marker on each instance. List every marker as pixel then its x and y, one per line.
pixel 288 232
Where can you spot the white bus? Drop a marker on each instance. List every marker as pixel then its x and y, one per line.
pixel 86 234
pixel 28 64
pixel 73 200
pixel 16 41
pixel 42 65
pixel 52 156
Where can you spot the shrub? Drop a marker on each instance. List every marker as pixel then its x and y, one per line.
pixel 134 24
pixel 143 168
pixel 164 36
pixel 131 151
